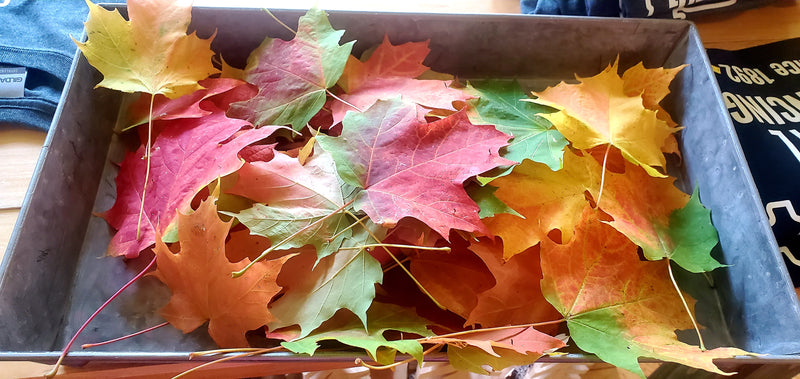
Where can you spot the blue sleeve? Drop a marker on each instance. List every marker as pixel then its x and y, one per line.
pixel 604 8
pixel 36 51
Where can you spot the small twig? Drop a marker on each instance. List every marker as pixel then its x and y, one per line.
pixel 225 359
pixel 54 371
pixel 461 333
pixel 88 345
pixel 369 246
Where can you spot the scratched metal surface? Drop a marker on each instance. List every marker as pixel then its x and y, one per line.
pixel 55 274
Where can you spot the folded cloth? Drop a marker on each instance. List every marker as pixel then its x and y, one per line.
pixel 678 9
pixel 36 51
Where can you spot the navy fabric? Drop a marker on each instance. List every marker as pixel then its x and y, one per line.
pixel 601 8
pixel 678 9
pixel 35 34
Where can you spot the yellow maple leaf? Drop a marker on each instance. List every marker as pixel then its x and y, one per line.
pixel 653 85
pixel 150 53
pixel 546 199
pixel 598 111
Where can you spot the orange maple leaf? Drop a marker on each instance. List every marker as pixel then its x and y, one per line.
pixel 598 111
pixel 201 283
pixel 616 305
pixel 516 297
pixel 641 206
pixel 547 199
pixel 454 279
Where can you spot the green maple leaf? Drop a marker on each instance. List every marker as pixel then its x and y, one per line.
pixel 299 199
pixel 534 137
pixel 489 204
pixel 661 219
pixel 293 76
pixel 350 331
pixel 693 236
pixel 316 289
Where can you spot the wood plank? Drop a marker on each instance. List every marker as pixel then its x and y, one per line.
pixel 776 21
pixel 19 152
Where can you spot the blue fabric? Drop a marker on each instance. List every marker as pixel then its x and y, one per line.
pixel 35 34
pixel 679 9
pixel 600 8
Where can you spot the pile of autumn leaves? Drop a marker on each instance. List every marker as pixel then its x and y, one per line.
pixel 359 202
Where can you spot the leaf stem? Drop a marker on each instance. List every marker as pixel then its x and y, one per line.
pixel 386 249
pixel 368 246
pixel 225 359
pixel 223 351
pixel 686 306
pixel 280 22
pixel 89 345
pixel 272 248
pixel 461 333
pixel 344 101
pixel 351 226
pixel 361 363
pixel 394 264
pixel 147 169
pixel 54 371
pixel 603 176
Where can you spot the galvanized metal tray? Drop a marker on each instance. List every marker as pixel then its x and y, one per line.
pixel 54 274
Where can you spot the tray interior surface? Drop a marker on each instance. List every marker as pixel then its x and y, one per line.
pixel 55 275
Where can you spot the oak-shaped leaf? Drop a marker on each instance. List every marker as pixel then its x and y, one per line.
pixel 186 156
pixel 293 76
pixel 498 349
pixel 659 218
pixel 391 71
pixel 616 305
pixel 381 317
pixel 315 288
pixel 546 199
pixel 411 169
pixel 599 112
pixel 516 297
pixel 499 103
pixel 199 276
pixel 303 202
pixel 151 53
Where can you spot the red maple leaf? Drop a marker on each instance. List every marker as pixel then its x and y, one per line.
pixel 390 71
pixel 220 92
pixel 413 169
pixel 185 157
